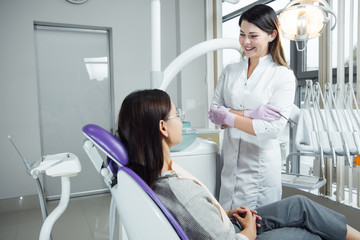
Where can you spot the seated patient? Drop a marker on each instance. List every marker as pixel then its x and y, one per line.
pixel 149 126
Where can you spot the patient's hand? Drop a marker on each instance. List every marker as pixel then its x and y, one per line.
pixel 247 219
pixel 242 213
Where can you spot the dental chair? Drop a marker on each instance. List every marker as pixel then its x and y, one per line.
pixel 141 212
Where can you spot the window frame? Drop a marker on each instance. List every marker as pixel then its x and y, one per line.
pixel 298 64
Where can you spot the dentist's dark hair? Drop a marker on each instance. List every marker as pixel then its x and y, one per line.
pixel 138 129
pixel 265 18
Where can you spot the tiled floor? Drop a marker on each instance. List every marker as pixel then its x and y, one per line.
pixel 85 218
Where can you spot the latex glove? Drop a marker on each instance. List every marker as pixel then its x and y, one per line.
pixel 221 116
pixel 265 112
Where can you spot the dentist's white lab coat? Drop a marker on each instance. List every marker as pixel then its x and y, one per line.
pixel 251 174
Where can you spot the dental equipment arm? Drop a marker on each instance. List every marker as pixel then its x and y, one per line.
pixel 336 117
pixel 64 165
pixel 155 73
pixel 189 55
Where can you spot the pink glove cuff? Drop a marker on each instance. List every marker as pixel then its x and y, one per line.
pixel 230 119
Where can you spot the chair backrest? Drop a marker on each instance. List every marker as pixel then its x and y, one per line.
pixel 142 212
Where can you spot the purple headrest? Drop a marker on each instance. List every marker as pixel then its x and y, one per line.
pixel 107 142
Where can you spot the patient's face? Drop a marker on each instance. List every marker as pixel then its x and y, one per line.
pixel 174 127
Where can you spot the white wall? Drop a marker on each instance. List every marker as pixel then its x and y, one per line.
pixel 130 24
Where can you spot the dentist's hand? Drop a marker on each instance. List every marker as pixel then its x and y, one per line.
pixel 265 112
pixel 221 116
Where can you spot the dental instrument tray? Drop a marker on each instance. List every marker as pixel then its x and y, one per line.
pixel 302 181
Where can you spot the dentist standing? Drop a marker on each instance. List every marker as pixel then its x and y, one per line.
pixel 248 98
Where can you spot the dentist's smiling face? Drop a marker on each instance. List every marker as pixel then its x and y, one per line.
pixel 253 40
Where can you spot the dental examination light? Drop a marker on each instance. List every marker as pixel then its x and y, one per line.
pixel 302 20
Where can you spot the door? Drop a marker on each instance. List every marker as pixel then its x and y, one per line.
pixel 74 86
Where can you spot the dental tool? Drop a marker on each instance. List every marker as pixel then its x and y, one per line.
pixel 287 119
pixel 29 166
pixel 27 163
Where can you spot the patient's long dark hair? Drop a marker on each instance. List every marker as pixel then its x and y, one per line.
pixel 138 129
